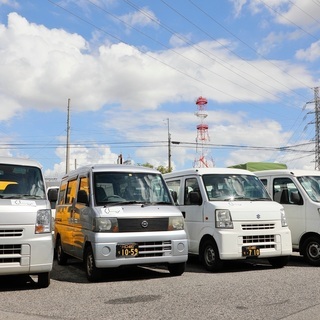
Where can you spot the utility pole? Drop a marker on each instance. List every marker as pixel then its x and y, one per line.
pixel 169 146
pixel 68 137
pixel 317 127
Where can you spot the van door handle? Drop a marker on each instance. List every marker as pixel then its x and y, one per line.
pixel 183 213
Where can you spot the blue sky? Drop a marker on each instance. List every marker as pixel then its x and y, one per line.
pixel 134 69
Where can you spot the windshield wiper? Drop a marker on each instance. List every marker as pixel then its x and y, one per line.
pixel 21 196
pixel 261 199
pixel 120 203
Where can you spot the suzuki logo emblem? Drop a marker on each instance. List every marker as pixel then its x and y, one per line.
pixel 258 216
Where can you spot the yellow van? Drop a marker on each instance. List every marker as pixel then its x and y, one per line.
pixel 118 215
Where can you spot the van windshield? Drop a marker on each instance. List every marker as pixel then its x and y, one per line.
pixel 311 185
pixel 21 182
pixel 239 187
pixel 130 187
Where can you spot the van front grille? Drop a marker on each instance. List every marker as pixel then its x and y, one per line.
pixel 10 253
pixel 258 239
pixel 143 224
pixel 257 226
pixel 154 249
pixel 10 233
pixel 6 249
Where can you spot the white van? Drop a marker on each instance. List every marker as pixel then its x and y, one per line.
pixel 229 215
pixel 26 243
pixel 299 193
pixel 118 215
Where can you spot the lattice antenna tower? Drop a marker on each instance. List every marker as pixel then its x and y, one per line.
pixel 317 127
pixel 202 160
pixel 316 123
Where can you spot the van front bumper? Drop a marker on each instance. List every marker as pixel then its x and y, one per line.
pixel 155 249
pixel 26 256
pixel 270 245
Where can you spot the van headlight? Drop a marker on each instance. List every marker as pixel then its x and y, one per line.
pixel 43 221
pixel 283 218
pixel 223 219
pixel 104 224
pixel 176 223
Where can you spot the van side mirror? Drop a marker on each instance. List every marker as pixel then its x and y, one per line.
pixel 174 196
pixel 295 198
pixel 82 197
pixel 195 197
pixel 53 195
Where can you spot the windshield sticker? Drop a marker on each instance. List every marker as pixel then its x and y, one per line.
pixel 29 203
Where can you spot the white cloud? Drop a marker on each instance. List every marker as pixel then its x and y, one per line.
pixel 238 5
pixel 11 3
pixel 38 61
pixel 142 18
pixel 178 40
pixel 80 156
pixel 309 54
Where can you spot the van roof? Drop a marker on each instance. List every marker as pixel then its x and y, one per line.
pixel 293 172
pixel 111 168
pixel 20 161
pixel 202 171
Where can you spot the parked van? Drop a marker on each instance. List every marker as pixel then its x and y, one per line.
pixel 299 193
pixel 118 215
pixel 26 243
pixel 229 215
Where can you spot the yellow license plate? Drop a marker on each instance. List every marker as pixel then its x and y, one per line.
pixel 127 250
pixel 250 251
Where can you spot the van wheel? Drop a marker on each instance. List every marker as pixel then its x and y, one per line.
pixel 62 257
pixel 93 273
pixel 177 269
pixel 279 262
pixel 311 251
pixel 209 256
pixel 44 280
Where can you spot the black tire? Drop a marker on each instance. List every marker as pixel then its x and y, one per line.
pixel 93 273
pixel 209 256
pixel 311 251
pixel 279 262
pixel 62 257
pixel 43 280
pixel 177 269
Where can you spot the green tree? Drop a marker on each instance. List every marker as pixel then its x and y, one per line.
pixel 161 169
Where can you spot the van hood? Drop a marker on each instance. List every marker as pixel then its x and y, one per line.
pixel 251 210
pixel 139 210
pixel 16 211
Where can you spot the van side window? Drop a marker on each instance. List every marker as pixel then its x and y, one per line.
pixel 84 185
pixel 264 181
pixel 191 187
pixel 83 192
pixel 174 187
pixel 285 192
pixel 62 192
pixel 71 191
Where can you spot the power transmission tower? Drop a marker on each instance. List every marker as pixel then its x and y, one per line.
pixel 317 127
pixel 316 123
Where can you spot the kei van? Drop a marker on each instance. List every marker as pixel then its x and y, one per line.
pixel 118 215
pixel 229 215
pixel 298 191
pixel 26 242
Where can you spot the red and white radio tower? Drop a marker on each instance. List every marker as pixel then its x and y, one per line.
pixel 201 160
